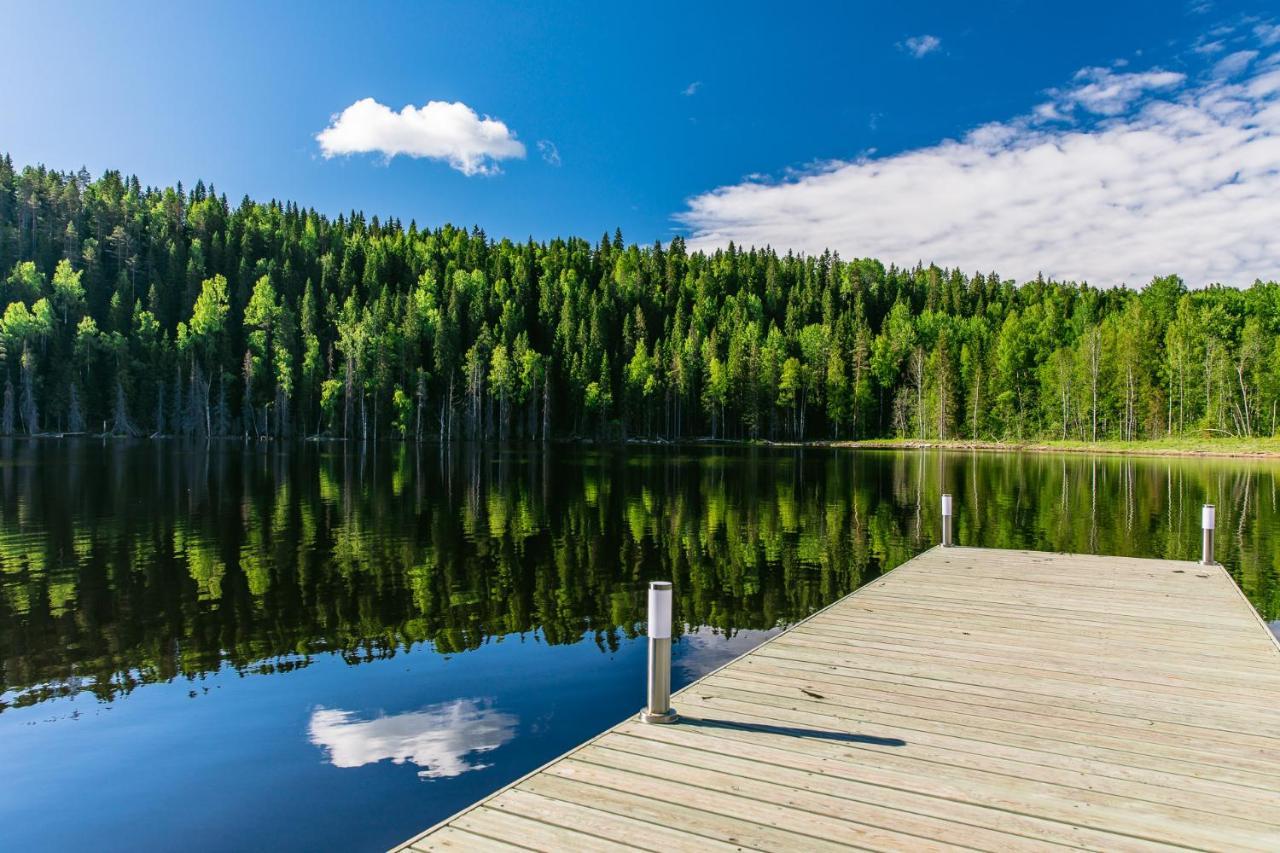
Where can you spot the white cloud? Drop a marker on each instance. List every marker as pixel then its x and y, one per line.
pixel 919 46
pixel 1104 92
pixel 439 130
pixel 550 153
pixel 1233 64
pixel 692 89
pixel 438 738
pixel 1268 34
pixel 1149 177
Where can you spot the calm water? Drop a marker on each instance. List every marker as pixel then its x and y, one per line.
pixel 306 649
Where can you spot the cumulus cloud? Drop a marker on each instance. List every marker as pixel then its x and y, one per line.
pixel 439 738
pixel 920 46
pixel 550 153
pixel 439 130
pixel 1118 178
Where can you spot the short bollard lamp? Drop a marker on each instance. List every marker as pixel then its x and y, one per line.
pixel 946 521
pixel 658 709
pixel 1208 520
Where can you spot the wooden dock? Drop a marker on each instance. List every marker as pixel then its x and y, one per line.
pixel 994 700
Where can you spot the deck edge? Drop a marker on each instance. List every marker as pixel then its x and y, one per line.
pixel 1266 627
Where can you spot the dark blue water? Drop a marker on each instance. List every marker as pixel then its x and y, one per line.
pixel 305 649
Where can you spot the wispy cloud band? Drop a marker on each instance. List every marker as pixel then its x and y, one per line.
pixel 1117 178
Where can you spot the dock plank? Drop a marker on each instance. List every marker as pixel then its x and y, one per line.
pixel 971 698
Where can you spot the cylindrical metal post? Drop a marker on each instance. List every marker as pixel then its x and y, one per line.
pixel 659 708
pixel 946 521
pixel 1208 520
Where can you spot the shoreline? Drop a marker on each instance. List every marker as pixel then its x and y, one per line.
pixel 1262 448
pixel 1257 448
pixel 1265 448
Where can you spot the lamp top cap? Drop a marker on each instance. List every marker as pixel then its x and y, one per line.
pixel 659 584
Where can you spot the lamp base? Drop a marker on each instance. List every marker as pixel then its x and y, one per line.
pixel 669 717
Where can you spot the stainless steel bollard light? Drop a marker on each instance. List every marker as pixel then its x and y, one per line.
pixel 659 708
pixel 1208 520
pixel 946 521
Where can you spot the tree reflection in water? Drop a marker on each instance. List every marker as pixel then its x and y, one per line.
pixel 125 563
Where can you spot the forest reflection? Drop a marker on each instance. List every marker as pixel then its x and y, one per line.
pixel 128 563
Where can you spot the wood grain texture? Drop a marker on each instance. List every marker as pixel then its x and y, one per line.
pixel 971 698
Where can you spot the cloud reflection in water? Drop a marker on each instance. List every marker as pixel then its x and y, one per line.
pixel 438 738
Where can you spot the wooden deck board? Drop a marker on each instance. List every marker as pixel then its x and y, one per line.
pixel 992 700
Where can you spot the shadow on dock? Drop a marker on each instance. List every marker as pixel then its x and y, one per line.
pixel 789 731
pixel 1073 711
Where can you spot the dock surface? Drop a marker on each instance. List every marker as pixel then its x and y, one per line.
pixel 994 700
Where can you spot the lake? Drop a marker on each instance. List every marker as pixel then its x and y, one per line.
pixel 308 648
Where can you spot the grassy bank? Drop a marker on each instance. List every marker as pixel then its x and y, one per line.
pixel 1177 446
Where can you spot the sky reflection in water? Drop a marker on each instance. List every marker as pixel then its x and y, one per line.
pixel 440 739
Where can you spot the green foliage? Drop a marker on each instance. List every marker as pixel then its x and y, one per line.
pixel 330 394
pixel 68 294
pixel 402 405
pixel 24 283
pixel 308 324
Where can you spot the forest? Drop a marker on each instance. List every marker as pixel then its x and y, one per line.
pixel 146 311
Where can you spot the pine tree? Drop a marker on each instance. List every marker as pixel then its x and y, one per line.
pixel 221 422
pixel 75 418
pixel 121 425
pixel 197 411
pixel 178 417
pixel 247 414
pixel 28 409
pixel 160 418
pixel 7 413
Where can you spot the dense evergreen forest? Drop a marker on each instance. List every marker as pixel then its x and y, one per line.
pixel 146 311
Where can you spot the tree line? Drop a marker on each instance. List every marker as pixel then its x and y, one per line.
pixel 134 310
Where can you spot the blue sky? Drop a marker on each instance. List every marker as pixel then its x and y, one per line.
pixel 812 128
